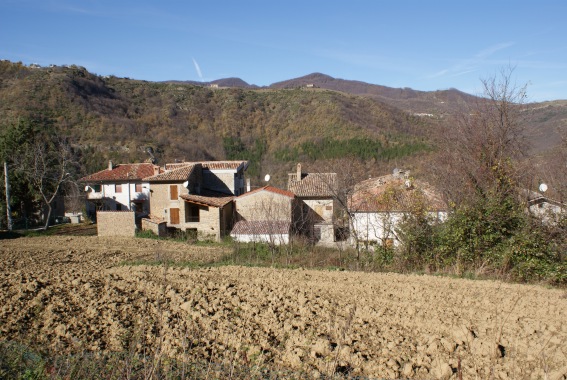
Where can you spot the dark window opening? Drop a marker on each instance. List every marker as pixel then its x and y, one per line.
pixel 191 213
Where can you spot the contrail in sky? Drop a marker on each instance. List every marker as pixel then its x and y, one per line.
pixel 198 69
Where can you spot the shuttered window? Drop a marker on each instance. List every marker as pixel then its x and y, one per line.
pixel 173 192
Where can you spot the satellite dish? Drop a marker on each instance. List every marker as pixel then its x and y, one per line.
pixel 543 187
pixel 267 178
pixel 86 188
pixel 186 183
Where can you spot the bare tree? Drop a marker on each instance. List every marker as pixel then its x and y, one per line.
pixel 46 163
pixel 480 152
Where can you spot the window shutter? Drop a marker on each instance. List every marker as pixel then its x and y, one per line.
pixel 173 192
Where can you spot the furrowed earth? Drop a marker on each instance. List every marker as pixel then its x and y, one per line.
pixel 91 293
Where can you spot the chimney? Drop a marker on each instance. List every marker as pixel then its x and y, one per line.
pixel 299 172
pixel 110 165
pixel 156 170
pixel 247 185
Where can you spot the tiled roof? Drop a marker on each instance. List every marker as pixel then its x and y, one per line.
pixel 181 173
pixel 211 165
pixel 208 198
pixel 392 194
pixel 270 189
pixel 313 184
pixel 121 172
pixel 155 219
pixel 261 227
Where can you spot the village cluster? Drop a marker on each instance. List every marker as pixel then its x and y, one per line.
pixel 214 199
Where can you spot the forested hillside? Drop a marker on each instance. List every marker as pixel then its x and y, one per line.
pixel 118 118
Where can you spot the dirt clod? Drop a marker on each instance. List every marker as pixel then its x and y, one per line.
pixel 82 294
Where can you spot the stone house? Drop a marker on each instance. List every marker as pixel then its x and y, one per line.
pixel 119 188
pixel 318 193
pixel 266 214
pixel 197 196
pixel 378 205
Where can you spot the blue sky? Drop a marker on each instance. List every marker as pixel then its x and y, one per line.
pixel 424 45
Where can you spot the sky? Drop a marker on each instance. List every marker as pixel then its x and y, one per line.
pixel 424 45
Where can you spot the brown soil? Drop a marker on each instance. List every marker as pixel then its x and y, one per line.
pixel 73 293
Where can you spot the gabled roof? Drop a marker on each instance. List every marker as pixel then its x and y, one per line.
pixel 121 172
pixel 179 174
pixel 208 198
pixel 211 165
pixel 261 227
pixel 392 193
pixel 271 189
pixel 313 184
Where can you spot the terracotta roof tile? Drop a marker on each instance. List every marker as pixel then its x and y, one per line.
pixel 271 189
pixel 121 172
pixel 261 227
pixel 313 184
pixel 181 173
pixel 208 198
pixel 391 194
pixel 211 165
pixel 155 219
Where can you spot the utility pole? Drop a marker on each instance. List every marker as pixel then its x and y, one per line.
pixel 8 209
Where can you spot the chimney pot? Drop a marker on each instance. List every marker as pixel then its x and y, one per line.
pixel 247 184
pixel 299 171
pixel 110 165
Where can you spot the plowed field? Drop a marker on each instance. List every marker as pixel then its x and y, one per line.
pixel 76 293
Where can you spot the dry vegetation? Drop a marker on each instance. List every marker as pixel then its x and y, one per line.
pixel 77 295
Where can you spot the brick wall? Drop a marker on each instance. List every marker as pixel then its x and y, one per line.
pixel 116 223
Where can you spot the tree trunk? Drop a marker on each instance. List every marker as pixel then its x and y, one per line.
pixel 49 208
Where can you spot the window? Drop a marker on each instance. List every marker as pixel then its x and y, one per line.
pixel 97 188
pixel 191 213
pixel 173 195
pixel 138 188
pixel 118 188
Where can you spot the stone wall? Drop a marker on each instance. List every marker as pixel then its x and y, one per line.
pixel 116 223
pixel 208 225
pixel 221 182
pixel 158 228
pixel 161 204
pixel 264 205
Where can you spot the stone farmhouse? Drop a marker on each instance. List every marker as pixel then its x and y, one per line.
pixel 197 196
pixel 267 214
pixel 318 193
pixel 210 199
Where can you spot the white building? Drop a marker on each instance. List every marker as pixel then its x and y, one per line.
pixel 119 187
pixel 378 205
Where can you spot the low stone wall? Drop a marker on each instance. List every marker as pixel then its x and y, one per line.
pixel 157 227
pixel 116 223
